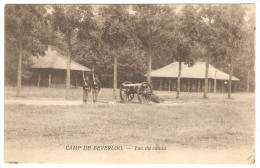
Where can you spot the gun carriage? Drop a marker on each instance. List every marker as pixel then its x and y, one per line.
pixel 129 89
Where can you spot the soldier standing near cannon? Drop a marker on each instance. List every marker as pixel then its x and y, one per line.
pixel 86 88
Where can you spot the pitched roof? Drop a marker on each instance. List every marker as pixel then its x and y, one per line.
pixel 196 71
pixel 55 60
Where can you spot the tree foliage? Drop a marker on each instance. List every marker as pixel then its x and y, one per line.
pixel 117 30
pixel 26 34
pixel 132 39
pixel 68 19
pixel 148 23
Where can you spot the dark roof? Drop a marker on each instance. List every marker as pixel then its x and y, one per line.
pixel 54 60
pixel 196 71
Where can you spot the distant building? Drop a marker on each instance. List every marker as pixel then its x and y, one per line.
pixel 192 78
pixel 50 70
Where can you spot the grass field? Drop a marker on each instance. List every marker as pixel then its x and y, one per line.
pixel 188 123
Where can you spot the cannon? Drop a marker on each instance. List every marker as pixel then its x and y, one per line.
pixel 129 89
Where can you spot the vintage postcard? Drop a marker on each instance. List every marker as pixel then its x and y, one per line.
pixel 129 83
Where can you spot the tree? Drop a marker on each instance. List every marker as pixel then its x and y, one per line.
pixel 93 51
pixel 25 28
pixel 244 62
pixel 179 47
pixel 131 63
pixel 117 30
pixel 149 20
pixel 248 56
pixel 230 24
pixel 178 37
pixel 67 19
pixel 207 36
pixel 221 31
pixel 89 49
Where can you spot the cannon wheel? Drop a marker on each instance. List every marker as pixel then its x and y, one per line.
pixel 143 89
pixel 126 93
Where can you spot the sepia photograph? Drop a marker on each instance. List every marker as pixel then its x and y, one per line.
pixel 129 83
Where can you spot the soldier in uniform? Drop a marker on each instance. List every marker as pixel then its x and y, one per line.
pixel 96 86
pixel 86 89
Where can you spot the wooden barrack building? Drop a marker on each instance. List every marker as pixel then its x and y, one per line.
pixel 192 78
pixel 50 70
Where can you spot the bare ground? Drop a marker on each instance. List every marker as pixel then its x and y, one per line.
pixel 193 130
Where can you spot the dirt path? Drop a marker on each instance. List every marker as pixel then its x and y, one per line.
pixel 42 102
pixel 62 102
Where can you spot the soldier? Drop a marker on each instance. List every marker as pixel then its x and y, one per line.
pixel 86 89
pixel 96 88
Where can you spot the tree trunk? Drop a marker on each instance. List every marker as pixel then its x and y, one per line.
pixel 19 71
pixel 230 81
pixel 179 81
pixel 68 63
pixel 205 96
pixel 76 81
pixel 49 79
pixel 222 87
pixel 149 68
pixel 39 79
pixel 160 84
pixel 169 87
pixel 188 85
pixel 248 79
pixel 199 86
pixel 115 78
pixel 215 82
